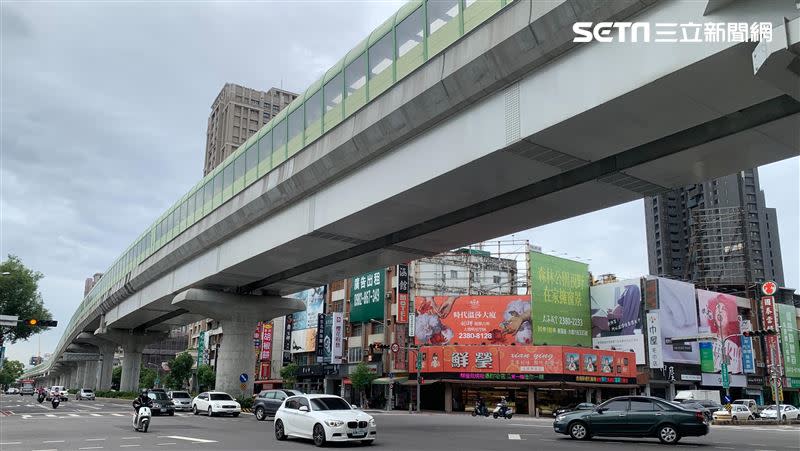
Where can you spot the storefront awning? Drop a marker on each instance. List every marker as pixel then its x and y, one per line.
pixel 413 382
pixel 389 380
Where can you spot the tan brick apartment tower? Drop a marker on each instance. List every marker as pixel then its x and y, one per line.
pixel 236 114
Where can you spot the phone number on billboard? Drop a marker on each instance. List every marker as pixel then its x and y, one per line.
pixel 563 321
pixel 475 335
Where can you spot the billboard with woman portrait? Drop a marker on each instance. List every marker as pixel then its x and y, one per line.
pixel 719 315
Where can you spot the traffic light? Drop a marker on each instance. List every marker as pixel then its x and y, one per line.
pixel 41 323
pixel 759 333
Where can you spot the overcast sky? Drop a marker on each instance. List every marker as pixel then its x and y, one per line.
pixel 104 114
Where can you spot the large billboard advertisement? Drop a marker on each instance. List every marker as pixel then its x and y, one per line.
pixel 527 359
pixel 367 296
pixel 617 317
pixel 719 315
pixel 304 340
pixel 788 328
pixel 560 301
pixel 314 299
pixel 472 320
pixel 677 315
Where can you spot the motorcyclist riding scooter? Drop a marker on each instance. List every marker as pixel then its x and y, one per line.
pixel 40 394
pixel 502 409
pixel 142 401
pixel 480 408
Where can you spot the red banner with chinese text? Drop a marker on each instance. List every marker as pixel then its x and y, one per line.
pixel 527 360
pixel 769 316
pixel 266 342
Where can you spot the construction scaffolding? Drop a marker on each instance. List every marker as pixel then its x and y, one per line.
pixel 718 248
pixel 487 268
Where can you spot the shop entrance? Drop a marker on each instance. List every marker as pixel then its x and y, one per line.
pixel 464 398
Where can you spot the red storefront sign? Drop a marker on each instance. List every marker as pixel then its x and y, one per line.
pixel 527 360
pixel 770 321
pixel 266 342
pixel 264 371
pixel 402 308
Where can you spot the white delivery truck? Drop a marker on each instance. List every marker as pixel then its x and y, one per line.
pixel 710 395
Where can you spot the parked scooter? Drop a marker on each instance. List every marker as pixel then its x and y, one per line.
pixel 56 401
pixel 142 421
pixel 502 411
pixel 480 409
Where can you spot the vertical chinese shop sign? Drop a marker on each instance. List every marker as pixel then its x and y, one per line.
pixel 560 301
pixel 788 328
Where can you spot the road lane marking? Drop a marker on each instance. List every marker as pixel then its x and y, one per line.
pixel 514 437
pixel 10 443
pixel 53 441
pixel 95 414
pixel 117 414
pixel 74 415
pixel 95 439
pixel 127 446
pixel 165 444
pixel 131 438
pixel 50 415
pixel 191 439
pixel 49 449
pixel 723 447
pixel 92 447
pixel 25 417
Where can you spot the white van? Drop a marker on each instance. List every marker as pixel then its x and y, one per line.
pixel 686 395
pixel 750 403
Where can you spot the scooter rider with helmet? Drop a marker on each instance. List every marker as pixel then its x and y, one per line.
pixel 142 401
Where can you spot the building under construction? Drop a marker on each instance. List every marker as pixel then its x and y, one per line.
pixel 488 268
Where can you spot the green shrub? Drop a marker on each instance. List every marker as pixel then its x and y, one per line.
pixel 245 402
pixel 72 391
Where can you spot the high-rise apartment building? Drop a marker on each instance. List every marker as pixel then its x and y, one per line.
pixel 715 233
pixel 236 114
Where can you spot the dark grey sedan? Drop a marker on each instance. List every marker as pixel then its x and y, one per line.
pixel 267 402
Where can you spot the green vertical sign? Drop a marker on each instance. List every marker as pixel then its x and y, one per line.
pixel 789 342
pixel 726 381
pixel 560 301
pixel 367 296
pixel 707 357
pixel 201 344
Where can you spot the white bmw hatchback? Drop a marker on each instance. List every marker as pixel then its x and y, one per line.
pixel 323 418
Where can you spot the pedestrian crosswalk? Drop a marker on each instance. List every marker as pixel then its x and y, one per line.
pixel 90 415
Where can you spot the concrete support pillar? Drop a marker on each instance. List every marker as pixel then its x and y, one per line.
pixel 69 377
pixel 132 346
pixel 80 374
pixel 131 368
pixel 105 366
pixel 448 397
pixel 238 315
pixel 532 402
pixel 90 375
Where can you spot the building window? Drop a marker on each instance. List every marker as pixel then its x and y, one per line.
pixel 377 328
pixel 496 280
pixel 354 354
pixel 356 330
pixel 453 274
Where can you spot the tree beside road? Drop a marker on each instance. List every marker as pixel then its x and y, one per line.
pixel 11 370
pixel 20 296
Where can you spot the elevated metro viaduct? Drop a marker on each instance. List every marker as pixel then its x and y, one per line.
pixel 510 127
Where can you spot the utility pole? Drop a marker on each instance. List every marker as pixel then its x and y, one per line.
pixel 774 376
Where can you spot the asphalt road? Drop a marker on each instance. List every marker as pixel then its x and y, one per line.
pixel 106 425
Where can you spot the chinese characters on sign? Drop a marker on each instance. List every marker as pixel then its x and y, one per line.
pixel 500 320
pixel 654 339
pixel 367 296
pixel 526 359
pixel 266 341
pixel 402 294
pixel 788 326
pixel 560 301
pixel 672 32
pixel 769 316
pixel 337 338
pixel 287 339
